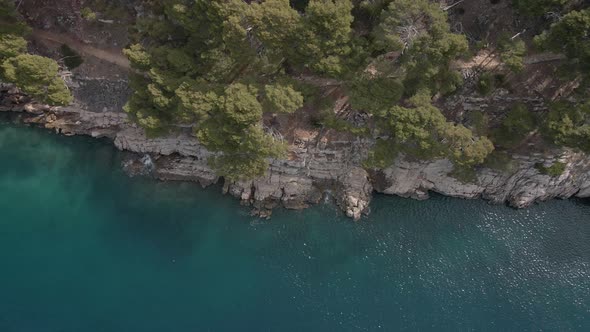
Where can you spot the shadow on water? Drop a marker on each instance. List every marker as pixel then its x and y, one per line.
pixel 170 218
pixel 582 201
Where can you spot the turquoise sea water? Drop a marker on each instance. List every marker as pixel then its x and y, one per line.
pixel 84 248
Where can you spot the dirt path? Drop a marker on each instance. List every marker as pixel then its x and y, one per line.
pixel 113 56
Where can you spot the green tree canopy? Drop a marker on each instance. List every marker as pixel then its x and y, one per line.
pixel 568 124
pixel 512 52
pixel 35 75
pixel 517 124
pixel 538 7
pixel 10 22
pixel 282 99
pixel 205 65
pixel 234 129
pixel 218 65
pixel 570 36
pixel 374 94
pixel 38 77
pixel 420 29
pixel 423 132
pixel 11 46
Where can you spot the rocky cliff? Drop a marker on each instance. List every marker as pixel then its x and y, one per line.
pixel 317 167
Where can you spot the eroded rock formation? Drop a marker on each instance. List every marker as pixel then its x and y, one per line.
pixel 314 169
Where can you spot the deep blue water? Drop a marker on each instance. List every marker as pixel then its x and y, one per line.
pixel 84 248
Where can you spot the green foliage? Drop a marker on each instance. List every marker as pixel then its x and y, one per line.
pixel 10 22
pixel 405 20
pixel 277 26
pixel 330 120
pixel 375 94
pixel 71 58
pixel 37 77
pixel 12 30
pixel 282 99
pixel 428 61
pixel 233 128
pixel 512 53
pixel 88 14
pixel 11 46
pixel 423 132
pixel 320 40
pixel 139 58
pixel 570 36
pixel 538 7
pixel 373 8
pixel 568 124
pixel 486 84
pixel 464 149
pixel 327 35
pixel 218 65
pixel 518 123
pixel 382 155
pixel 478 122
pixel 421 28
pixel 555 170
pixel 299 5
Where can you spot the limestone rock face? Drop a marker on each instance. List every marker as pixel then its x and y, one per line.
pixel 414 179
pixel 355 192
pixel 521 187
pixel 316 167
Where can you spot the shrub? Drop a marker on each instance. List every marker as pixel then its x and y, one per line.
pixel 537 7
pixel 478 122
pixel 512 53
pixel 374 95
pixel 38 77
pixel 88 14
pixel 485 84
pixel 568 125
pixel 517 124
pixel 11 46
pixel 556 169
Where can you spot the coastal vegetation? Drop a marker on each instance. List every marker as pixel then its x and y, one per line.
pixel 229 71
pixel 219 66
pixel 555 169
pixel 35 75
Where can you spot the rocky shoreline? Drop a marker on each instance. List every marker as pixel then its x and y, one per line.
pixel 316 168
